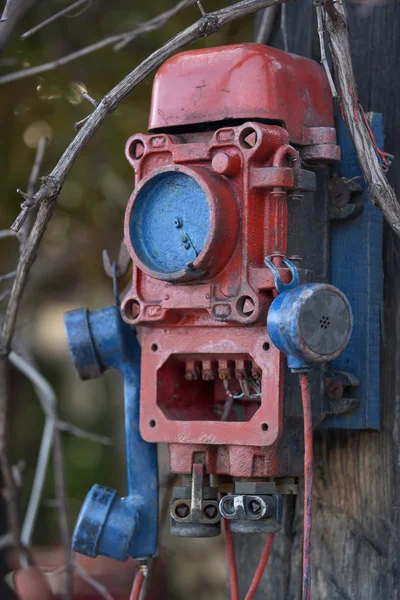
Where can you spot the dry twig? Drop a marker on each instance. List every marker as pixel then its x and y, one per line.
pixel 113 40
pixel 266 24
pixel 12 499
pixel 380 191
pixel 52 185
pixel 4 16
pixel 158 21
pixel 324 62
pixel 53 18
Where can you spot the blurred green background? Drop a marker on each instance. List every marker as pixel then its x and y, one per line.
pixel 89 215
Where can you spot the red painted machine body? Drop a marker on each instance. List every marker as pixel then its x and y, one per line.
pixel 227 118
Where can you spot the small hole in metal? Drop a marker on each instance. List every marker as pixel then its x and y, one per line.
pixel 152 423
pixel 264 427
pixel 266 346
pixel 136 149
pixel 154 347
pixel 248 138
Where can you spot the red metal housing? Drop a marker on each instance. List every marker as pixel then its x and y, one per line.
pixel 205 326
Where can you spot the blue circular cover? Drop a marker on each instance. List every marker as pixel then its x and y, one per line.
pixel 169 207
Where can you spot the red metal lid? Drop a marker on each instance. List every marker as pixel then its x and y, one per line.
pixel 246 82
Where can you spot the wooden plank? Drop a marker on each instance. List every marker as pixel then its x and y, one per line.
pixel 356 268
pixel 357 474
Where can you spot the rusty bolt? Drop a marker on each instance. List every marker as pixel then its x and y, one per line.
pixel 334 389
pixel 182 511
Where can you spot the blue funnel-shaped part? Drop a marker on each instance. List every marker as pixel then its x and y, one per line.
pixel 109 525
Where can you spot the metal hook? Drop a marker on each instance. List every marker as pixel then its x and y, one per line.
pixel 121 264
pixel 280 286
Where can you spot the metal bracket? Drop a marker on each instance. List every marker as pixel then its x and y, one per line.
pixel 280 286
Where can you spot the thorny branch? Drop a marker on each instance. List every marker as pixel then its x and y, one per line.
pixel 380 191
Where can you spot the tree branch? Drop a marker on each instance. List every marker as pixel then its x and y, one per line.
pixel 380 191
pixel 54 17
pixel 52 184
pixel 113 40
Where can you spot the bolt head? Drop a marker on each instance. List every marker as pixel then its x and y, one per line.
pixel 182 510
pixel 210 511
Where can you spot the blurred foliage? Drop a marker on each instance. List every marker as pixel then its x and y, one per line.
pixel 88 217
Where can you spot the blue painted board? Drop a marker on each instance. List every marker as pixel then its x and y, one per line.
pixel 356 269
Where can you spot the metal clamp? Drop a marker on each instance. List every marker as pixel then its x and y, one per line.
pixel 280 286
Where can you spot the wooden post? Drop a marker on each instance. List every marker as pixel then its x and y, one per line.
pixel 356 520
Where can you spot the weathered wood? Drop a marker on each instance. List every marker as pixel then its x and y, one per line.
pixel 357 474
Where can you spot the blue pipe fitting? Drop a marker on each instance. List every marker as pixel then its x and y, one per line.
pixel 107 524
pixel 311 323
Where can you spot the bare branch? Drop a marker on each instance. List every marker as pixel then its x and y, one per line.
pixel 324 62
pixel 52 184
pixel 284 27
pixel 266 25
pixel 82 433
pixel 199 4
pixel 53 18
pixel 380 190
pixel 15 11
pixel 101 589
pixel 7 233
pixel 4 16
pixel 91 100
pixel 30 188
pixel 4 295
pixel 7 276
pixel 123 38
pixel 64 60
pixel 155 23
pixel 51 438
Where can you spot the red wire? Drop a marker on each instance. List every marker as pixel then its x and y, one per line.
pixel 308 484
pixel 261 567
pixel 137 586
pixel 231 559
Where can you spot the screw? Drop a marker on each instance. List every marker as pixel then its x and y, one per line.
pixel 334 389
pixel 210 511
pixel 178 222
pixel 182 511
pixel 229 507
pixel 166 297
pixel 187 246
pixel 184 238
pixel 255 507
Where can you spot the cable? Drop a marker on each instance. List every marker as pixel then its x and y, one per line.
pixel 308 485
pixel 261 567
pixel 137 586
pixel 231 560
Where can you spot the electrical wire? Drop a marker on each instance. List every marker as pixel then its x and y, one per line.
pixel 308 485
pixel 137 586
pixel 231 560
pixel 261 567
